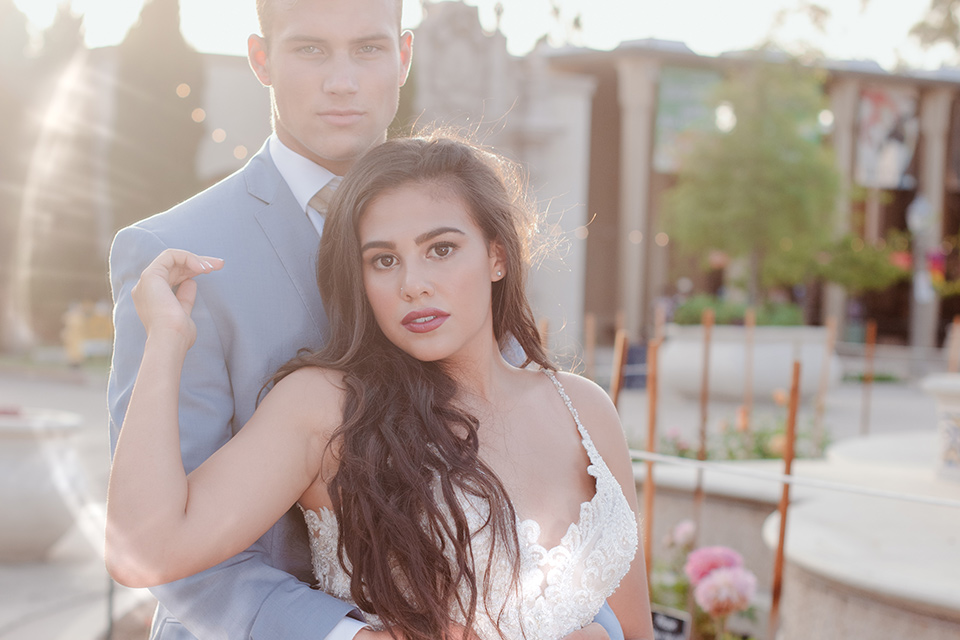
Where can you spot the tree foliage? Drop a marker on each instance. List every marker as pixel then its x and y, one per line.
pixel 859 267
pixel 939 25
pixel 61 40
pixel 155 143
pixel 14 74
pixel 763 187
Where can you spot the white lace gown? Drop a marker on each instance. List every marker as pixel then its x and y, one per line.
pixel 561 589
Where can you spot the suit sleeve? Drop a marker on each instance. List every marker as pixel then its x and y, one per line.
pixel 243 597
pixel 607 619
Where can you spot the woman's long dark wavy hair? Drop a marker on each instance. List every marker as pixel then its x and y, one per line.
pixel 406 450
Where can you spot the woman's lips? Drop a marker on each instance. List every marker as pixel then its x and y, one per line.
pixel 424 320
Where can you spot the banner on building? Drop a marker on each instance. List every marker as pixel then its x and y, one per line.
pixel 684 107
pixel 888 129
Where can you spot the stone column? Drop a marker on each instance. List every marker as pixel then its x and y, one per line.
pixel 844 100
pixel 934 126
pixel 637 78
pixel 554 137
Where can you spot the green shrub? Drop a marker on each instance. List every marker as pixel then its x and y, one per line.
pixel 727 312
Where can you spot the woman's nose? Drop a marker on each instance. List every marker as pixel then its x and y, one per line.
pixel 415 283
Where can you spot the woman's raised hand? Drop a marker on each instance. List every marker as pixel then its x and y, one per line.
pixel 166 291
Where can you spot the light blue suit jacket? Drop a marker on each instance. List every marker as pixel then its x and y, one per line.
pixel 251 317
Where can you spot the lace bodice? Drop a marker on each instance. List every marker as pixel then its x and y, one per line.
pixel 561 589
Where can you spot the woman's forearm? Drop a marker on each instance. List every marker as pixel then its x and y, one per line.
pixel 147 493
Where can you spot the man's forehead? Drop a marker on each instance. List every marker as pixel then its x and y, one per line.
pixel 371 17
pixel 281 5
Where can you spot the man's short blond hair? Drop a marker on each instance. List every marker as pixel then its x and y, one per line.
pixel 267 8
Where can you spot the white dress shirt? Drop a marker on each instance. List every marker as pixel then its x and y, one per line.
pixel 304 177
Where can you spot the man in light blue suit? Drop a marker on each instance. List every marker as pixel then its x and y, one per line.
pixel 334 69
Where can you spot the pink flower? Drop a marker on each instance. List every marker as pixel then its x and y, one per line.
pixel 701 562
pixel 684 533
pixel 901 259
pixel 726 590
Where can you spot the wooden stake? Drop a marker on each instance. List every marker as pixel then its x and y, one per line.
pixel 785 499
pixel 707 321
pixel 621 347
pixel 868 376
pixel 953 348
pixel 659 321
pixel 590 345
pixel 820 404
pixel 649 488
pixel 750 323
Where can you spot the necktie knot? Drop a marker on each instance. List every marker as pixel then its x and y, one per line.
pixel 320 202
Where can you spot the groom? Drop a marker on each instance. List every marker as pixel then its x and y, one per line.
pixel 334 68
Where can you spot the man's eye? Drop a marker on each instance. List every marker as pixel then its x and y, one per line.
pixel 309 50
pixel 369 49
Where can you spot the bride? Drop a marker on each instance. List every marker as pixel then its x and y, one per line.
pixel 447 493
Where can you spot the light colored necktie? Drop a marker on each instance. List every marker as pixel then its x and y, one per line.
pixel 320 202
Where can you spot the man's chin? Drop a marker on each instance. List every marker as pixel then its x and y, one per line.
pixel 336 159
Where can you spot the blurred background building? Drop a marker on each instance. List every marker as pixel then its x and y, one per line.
pixel 130 130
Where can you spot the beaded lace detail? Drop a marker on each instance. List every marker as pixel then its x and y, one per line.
pixel 561 589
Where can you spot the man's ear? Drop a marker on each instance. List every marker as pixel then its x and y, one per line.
pixel 257 56
pixel 498 261
pixel 406 55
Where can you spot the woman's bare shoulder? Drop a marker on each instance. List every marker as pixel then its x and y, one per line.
pixel 310 396
pixel 595 409
pixel 585 394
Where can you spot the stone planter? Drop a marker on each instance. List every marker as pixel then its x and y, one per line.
pixel 38 471
pixel 945 388
pixel 774 350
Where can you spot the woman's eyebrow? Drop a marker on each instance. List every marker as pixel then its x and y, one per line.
pixel 439 231
pixel 420 239
pixel 377 244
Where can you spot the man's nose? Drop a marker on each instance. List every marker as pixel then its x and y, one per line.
pixel 341 76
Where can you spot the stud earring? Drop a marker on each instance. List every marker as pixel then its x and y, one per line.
pixel 499 274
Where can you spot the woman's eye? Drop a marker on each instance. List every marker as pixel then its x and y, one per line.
pixel 384 262
pixel 443 250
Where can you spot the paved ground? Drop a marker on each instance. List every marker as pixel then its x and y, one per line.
pixel 68 596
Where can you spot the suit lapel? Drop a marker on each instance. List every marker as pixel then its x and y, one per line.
pixel 289 231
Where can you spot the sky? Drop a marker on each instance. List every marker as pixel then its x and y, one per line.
pixel 857 29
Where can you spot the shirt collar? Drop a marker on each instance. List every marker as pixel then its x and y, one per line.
pixel 304 176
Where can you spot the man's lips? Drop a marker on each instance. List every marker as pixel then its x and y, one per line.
pixel 341 117
pixel 424 320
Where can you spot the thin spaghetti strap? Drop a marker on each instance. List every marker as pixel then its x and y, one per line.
pixel 573 410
